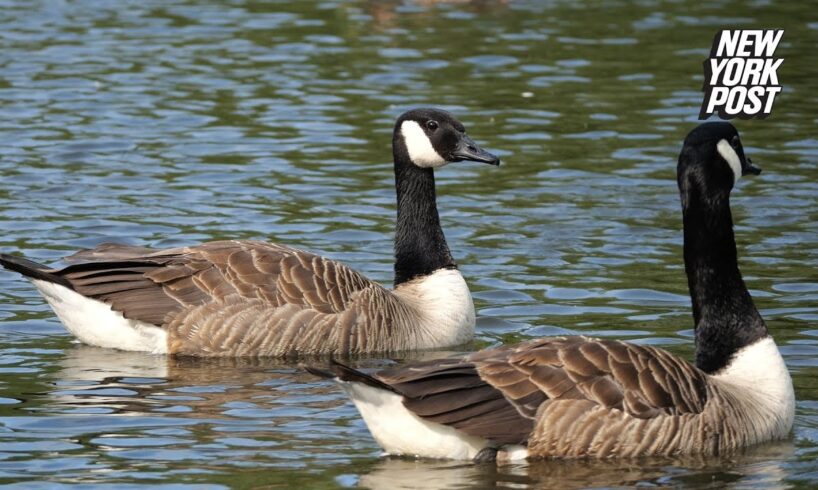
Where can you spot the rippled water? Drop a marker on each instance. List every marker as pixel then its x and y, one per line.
pixel 168 123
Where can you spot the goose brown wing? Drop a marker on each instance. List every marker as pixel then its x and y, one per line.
pixel 498 393
pixel 153 286
pixel 453 392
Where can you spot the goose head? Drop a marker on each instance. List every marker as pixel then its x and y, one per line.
pixel 713 158
pixel 432 138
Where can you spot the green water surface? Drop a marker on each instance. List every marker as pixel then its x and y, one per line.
pixel 166 123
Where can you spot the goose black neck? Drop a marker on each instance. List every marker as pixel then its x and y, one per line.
pixel 420 247
pixel 725 316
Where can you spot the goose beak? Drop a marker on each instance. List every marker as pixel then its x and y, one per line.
pixel 749 168
pixel 468 150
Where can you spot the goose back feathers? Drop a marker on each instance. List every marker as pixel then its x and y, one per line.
pixel 237 298
pixel 579 397
pixel 248 298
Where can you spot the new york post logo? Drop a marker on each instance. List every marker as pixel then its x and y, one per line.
pixel 741 76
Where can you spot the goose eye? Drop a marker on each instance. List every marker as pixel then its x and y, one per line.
pixel 431 125
pixel 734 141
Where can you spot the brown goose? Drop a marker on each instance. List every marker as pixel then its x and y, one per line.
pixel 583 397
pixel 248 298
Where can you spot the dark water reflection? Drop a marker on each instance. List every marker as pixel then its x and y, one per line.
pixel 168 123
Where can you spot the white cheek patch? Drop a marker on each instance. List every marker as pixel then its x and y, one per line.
pixel 421 151
pixel 731 157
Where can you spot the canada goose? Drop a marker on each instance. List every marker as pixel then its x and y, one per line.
pixel 248 298
pixel 582 397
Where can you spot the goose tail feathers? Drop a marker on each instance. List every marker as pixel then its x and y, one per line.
pixel 32 270
pixel 341 372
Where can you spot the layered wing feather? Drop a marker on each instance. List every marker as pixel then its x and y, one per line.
pixel 233 297
pixel 500 394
